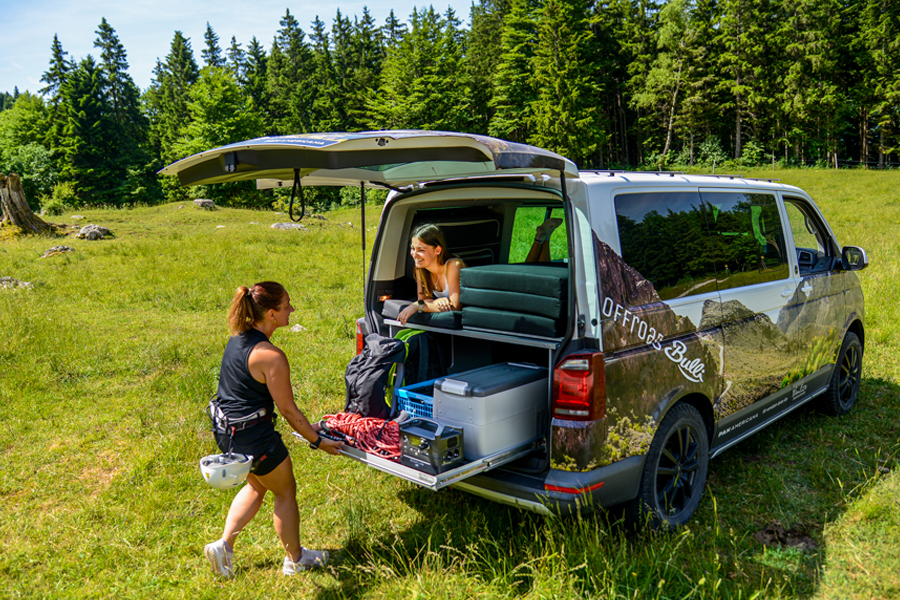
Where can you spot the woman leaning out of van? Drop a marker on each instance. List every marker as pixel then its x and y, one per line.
pixel 437 274
pixel 255 375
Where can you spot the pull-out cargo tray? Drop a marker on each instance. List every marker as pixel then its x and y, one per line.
pixel 442 480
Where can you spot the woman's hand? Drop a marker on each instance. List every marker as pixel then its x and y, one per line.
pixel 330 446
pixel 442 304
pixel 407 312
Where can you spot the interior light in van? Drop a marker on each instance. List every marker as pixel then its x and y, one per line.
pixel 579 388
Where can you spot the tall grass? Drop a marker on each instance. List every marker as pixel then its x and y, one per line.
pixel 106 366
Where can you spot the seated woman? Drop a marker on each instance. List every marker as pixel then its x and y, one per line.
pixel 540 249
pixel 437 274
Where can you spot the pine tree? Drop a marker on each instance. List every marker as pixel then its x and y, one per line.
pixel 366 55
pixel 394 29
pixel 237 63
pixel 809 37
pixel 89 142
pixel 289 86
pixel 257 80
pixel 513 91
pixel 129 153
pixel 748 65
pixel 481 60
pixel 212 53
pixel 880 36
pixel 566 117
pixel 166 101
pixel 55 77
pixel 421 78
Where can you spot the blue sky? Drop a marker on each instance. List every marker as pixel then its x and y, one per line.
pixel 145 28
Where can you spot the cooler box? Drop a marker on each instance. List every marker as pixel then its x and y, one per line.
pixel 496 406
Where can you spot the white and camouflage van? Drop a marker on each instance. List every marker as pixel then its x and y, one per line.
pixel 679 314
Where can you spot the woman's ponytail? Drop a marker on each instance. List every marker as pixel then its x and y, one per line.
pixel 250 305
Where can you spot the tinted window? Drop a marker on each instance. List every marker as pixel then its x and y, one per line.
pixel 747 238
pixel 663 237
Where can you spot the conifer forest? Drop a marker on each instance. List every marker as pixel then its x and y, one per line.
pixel 606 83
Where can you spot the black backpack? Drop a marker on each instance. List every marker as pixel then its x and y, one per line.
pixel 367 375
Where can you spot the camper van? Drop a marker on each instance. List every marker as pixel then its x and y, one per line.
pixel 675 316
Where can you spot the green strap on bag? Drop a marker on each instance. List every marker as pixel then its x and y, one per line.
pixel 402 335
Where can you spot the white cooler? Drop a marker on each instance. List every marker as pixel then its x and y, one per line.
pixel 496 406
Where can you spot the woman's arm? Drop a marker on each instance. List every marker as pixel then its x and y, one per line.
pixel 272 364
pixel 454 265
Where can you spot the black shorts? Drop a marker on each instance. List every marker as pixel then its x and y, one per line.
pixel 262 442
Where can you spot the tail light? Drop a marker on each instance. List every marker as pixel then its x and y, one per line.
pixel 579 388
pixel 360 336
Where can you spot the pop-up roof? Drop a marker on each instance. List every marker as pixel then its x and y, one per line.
pixel 390 158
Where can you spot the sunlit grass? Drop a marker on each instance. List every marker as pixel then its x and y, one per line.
pixel 107 363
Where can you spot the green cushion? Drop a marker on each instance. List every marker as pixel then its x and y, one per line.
pixel 513 301
pixel 536 279
pixel 515 322
pixel 449 320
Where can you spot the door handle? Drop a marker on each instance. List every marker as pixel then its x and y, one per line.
pixel 806 289
pixel 787 293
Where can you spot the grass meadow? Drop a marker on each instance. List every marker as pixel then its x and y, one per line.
pixel 106 366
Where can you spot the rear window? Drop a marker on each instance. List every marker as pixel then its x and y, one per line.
pixel 663 236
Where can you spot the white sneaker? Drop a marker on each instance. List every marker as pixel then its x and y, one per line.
pixel 220 557
pixel 309 559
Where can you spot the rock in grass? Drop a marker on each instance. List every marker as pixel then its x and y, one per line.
pixel 57 250
pixel 298 226
pixel 10 283
pixel 205 203
pixel 298 328
pixel 92 232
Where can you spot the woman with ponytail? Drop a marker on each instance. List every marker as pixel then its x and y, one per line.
pixel 254 379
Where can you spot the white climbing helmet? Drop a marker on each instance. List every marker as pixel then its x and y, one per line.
pixel 225 471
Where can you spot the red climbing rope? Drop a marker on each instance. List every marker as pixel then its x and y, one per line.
pixel 363 433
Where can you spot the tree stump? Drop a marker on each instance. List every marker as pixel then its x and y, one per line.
pixel 14 208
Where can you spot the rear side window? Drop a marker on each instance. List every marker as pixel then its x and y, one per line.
pixel 664 237
pixel 523 247
pixel 747 238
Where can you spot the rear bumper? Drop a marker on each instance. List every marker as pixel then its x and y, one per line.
pixel 560 492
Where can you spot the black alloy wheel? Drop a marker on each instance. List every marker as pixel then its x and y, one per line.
pixel 678 471
pixel 846 378
pixel 674 471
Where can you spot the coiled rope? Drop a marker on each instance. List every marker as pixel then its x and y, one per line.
pixel 371 435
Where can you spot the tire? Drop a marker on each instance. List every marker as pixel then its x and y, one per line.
pixel 674 472
pixel 844 387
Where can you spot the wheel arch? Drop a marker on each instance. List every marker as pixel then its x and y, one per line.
pixel 857 328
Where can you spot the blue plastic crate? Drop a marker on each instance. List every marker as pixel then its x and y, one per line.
pixel 416 399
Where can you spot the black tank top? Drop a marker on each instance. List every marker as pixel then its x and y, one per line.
pixel 239 393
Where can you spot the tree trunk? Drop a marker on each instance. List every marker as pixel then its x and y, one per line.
pixel 15 208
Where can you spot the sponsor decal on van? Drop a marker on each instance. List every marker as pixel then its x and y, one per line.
pixel 627 319
pixel 692 370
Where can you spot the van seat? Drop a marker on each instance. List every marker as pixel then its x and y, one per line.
pixel 524 298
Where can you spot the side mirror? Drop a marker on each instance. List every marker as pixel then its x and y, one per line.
pixel 853 258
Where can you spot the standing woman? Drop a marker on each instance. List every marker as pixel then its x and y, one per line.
pixel 437 274
pixel 255 377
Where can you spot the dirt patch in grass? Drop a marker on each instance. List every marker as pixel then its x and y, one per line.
pixel 776 535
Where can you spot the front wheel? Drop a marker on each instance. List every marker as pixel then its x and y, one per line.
pixel 674 473
pixel 845 380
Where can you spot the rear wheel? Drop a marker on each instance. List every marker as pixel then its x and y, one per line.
pixel 841 395
pixel 674 473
